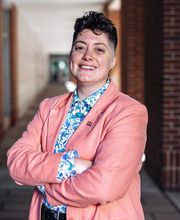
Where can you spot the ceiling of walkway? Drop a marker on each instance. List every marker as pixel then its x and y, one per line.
pixel 52 20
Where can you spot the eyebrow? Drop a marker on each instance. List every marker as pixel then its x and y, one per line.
pixel 83 42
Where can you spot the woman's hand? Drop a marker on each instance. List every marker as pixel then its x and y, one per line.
pixel 81 165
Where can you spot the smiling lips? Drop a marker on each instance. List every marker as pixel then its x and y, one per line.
pixel 87 67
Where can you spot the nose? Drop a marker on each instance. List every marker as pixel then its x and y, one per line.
pixel 87 55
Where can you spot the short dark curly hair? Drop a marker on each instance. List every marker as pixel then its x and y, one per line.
pixel 96 21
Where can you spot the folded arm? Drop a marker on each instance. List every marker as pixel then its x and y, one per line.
pixel 27 164
pixel 117 161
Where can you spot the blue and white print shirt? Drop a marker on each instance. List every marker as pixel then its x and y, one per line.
pixel 77 112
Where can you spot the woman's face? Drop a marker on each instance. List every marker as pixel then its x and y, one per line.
pixel 91 58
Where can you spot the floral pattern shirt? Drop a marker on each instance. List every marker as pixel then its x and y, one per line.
pixel 77 112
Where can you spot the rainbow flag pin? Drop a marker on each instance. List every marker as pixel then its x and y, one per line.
pixel 89 123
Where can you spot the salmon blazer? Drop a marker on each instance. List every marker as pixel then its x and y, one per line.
pixel 113 135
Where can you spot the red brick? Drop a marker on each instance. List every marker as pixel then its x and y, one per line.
pixel 162 71
pixel 133 48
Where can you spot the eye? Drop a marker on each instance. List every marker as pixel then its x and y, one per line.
pixel 100 50
pixel 79 47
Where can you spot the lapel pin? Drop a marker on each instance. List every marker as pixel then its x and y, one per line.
pixel 89 123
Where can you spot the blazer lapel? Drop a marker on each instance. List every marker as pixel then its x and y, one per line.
pixel 94 115
pixel 56 119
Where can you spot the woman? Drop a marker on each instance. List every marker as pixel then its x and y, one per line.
pixel 83 150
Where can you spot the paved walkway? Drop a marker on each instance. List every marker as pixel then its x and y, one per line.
pixel 15 200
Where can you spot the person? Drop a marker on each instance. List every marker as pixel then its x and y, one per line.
pixel 83 150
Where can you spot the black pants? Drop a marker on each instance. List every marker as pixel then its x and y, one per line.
pixel 48 214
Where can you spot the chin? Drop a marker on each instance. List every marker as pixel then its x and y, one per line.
pixel 84 79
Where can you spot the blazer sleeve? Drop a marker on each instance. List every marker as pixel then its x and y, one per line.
pixel 117 161
pixel 27 164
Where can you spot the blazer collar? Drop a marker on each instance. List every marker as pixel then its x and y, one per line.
pixel 94 115
pixel 61 107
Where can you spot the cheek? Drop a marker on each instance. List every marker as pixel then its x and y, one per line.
pixel 103 62
pixel 74 59
pixel 107 64
pixel 72 63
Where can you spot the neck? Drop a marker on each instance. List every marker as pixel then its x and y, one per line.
pixel 85 91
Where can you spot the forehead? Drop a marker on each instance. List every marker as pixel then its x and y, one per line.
pixel 88 35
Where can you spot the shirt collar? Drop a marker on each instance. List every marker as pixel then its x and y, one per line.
pixel 92 99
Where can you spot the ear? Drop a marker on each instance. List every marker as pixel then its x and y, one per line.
pixel 113 63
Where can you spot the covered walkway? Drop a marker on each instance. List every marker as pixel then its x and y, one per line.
pixel 36 35
pixel 15 200
pixel 34 49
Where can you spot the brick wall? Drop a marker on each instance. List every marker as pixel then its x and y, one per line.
pixel 154 85
pixel 171 91
pixel 163 91
pixel 133 48
pixel 1 72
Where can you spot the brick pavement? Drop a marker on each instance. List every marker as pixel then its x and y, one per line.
pixel 15 200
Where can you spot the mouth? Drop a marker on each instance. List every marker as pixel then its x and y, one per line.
pixel 87 67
